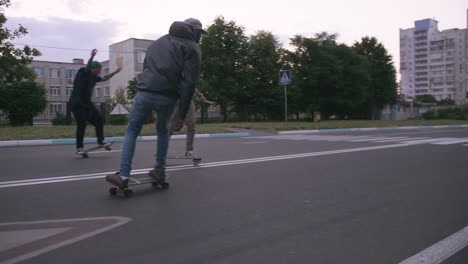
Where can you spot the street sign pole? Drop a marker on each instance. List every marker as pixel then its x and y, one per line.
pixel 285 79
pixel 285 103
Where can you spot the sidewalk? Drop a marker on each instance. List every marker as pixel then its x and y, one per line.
pixel 239 133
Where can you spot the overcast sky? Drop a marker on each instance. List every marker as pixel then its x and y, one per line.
pixel 77 26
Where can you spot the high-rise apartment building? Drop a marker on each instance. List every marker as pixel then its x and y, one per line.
pixel 434 62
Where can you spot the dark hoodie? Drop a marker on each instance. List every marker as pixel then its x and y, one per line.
pixel 172 66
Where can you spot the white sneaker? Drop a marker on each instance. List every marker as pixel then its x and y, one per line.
pixel 189 153
pixel 104 144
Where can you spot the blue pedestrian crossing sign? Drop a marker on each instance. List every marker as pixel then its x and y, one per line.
pixel 285 77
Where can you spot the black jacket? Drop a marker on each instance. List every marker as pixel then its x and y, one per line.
pixel 83 87
pixel 172 66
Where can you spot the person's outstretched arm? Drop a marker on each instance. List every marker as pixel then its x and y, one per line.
pixel 93 53
pixel 108 76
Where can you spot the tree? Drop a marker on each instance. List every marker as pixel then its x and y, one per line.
pixel 131 88
pixel 383 85
pixel 224 53
pixel 119 98
pixel 332 78
pixel 264 95
pixel 29 100
pixel 22 98
pixel 425 98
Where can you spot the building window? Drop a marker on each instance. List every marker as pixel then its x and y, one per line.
pixel 106 71
pixel 141 56
pixel 54 90
pixel 55 73
pixel 56 108
pixel 70 74
pixel 98 92
pixel 106 91
pixel 68 90
pixel 38 71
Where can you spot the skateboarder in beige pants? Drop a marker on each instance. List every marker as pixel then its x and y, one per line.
pixel 189 121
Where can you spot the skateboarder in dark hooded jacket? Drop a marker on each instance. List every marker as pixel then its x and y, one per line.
pixel 170 71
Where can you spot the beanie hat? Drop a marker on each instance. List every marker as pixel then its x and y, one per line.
pixel 96 65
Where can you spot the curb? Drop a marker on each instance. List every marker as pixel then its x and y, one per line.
pixel 294 132
pixel 68 141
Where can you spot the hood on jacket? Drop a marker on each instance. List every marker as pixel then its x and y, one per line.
pixel 182 30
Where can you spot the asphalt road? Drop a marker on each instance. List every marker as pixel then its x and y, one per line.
pixel 362 197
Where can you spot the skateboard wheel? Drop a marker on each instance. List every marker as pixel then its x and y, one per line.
pixel 85 156
pixel 164 185
pixel 128 193
pixel 112 191
pixel 155 184
pixel 108 148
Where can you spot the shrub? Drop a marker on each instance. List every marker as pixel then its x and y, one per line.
pixel 117 119
pixel 61 119
pixel 429 115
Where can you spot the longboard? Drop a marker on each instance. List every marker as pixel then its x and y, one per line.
pixel 85 152
pixel 195 160
pixel 133 181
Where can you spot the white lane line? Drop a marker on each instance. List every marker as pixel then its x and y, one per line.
pixel 424 141
pixel 391 140
pixel 255 142
pixel 452 141
pixel 9 184
pixel 371 138
pixel 441 250
pixel 104 151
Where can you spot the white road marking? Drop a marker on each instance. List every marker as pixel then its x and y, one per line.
pixel 68 240
pixel 369 138
pixel 425 141
pixel 255 142
pixel 441 250
pixel 104 151
pixel 9 184
pixel 452 141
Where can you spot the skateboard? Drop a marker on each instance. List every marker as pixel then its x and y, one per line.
pixel 195 160
pixel 139 181
pixel 85 152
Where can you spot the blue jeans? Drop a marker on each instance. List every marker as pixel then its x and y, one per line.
pixel 144 104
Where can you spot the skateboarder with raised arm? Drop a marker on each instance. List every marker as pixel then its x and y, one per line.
pixel 80 103
pixel 170 71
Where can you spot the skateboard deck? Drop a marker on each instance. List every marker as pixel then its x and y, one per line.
pixel 85 152
pixel 195 160
pixel 140 180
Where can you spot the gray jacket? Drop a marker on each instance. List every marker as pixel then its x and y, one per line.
pixel 172 66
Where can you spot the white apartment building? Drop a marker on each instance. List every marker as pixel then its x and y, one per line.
pixel 133 52
pixel 434 62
